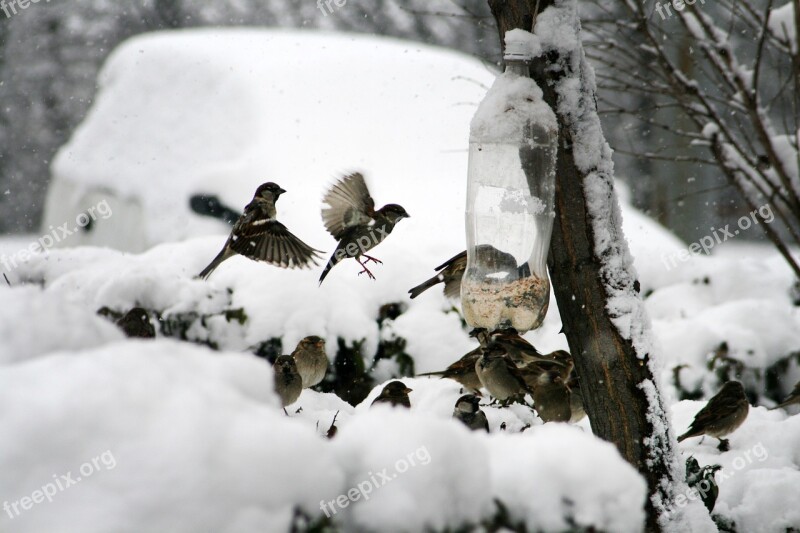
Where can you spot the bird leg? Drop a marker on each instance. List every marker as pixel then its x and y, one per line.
pixel 724 445
pixel 284 412
pixel 370 258
pixel 365 269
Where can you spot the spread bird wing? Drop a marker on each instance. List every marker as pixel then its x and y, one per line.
pixel 348 204
pixel 459 257
pixel 265 239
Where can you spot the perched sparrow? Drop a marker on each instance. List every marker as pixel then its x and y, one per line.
pixel 462 371
pixel 311 360
pixel 792 399
pixel 394 393
pixel 136 323
pixel 533 371
pixel 259 236
pixel 450 273
pixel 469 412
pixel 551 398
pixel 353 221
pixel 288 383
pixel 499 375
pixel 722 414
pixel 518 349
pixel 576 401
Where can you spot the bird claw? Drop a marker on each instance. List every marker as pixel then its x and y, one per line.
pixel 365 269
pixel 370 258
pixel 724 445
pixel 369 274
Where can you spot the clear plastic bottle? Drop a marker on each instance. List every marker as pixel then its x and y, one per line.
pixel 510 202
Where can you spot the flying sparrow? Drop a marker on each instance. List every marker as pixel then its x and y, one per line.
pixel 353 221
pixel 288 383
pixel 259 236
pixel 499 375
pixel 394 393
pixel 311 360
pixel 469 412
pixel 723 413
pixel 450 273
pixel 136 323
pixel 462 371
pixel 551 398
pixel 793 398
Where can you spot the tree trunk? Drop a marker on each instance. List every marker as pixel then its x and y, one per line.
pixel 608 366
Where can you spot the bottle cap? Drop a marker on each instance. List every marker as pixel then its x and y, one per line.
pixel 518 46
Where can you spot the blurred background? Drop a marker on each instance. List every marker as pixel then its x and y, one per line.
pixel 50 55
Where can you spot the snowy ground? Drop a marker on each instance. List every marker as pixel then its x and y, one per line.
pixel 101 433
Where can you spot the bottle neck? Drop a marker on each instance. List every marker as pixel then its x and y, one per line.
pixel 518 67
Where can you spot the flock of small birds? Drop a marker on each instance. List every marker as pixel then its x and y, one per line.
pixel 349 216
pixel 504 364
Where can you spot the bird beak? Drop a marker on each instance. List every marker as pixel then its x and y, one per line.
pixel 281 191
pixel 406 215
pixel 408 390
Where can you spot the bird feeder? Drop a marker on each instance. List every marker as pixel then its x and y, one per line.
pixel 510 199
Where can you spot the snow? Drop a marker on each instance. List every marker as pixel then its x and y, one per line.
pixel 512 102
pixel 197 437
pixel 194 438
pixel 567 458
pixel 446 466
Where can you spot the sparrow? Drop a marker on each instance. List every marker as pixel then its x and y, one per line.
pixel 353 221
pixel 288 383
pixel 136 323
pixel 518 349
pixel 793 398
pixel 723 413
pixel 533 371
pixel 469 412
pixel 499 375
pixel 311 360
pixel 394 393
pixel 551 398
pixel 259 236
pixel 450 273
pixel 462 371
